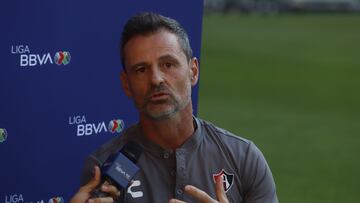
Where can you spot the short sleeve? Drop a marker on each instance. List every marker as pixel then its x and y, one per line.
pixel 258 178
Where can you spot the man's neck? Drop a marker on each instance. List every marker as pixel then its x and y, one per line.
pixel 172 132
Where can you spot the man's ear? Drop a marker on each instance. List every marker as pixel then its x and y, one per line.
pixel 194 71
pixel 125 83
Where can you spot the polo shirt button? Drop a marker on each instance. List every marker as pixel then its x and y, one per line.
pixel 179 192
pixel 166 155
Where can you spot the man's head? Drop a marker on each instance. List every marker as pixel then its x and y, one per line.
pixel 149 23
pixel 158 74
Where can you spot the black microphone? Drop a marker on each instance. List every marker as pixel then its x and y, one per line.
pixel 119 169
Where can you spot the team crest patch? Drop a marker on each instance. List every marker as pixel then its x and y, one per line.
pixel 228 179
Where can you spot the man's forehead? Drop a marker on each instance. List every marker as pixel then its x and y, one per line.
pixel 155 45
pixel 159 38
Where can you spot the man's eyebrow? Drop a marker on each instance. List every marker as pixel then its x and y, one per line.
pixel 161 58
pixel 132 67
pixel 168 57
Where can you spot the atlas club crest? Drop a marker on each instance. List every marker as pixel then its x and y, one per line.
pixel 227 178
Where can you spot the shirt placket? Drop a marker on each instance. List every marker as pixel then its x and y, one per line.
pixel 180 174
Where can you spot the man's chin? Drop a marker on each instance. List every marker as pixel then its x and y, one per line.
pixel 160 115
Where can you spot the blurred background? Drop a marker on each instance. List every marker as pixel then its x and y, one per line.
pixel 286 75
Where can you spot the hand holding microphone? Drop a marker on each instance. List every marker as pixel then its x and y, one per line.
pixel 84 193
pixel 117 174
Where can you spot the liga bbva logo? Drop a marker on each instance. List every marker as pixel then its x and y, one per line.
pixel 27 58
pixel 85 128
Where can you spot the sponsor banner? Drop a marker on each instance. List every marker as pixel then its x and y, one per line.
pixel 27 58
pixel 61 94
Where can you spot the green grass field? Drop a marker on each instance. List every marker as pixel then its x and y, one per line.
pixel 291 84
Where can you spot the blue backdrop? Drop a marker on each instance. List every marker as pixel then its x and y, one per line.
pixel 60 92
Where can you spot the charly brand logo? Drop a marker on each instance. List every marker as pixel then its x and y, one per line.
pixel 133 189
pixel 56 200
pixel 30 59
pixel 85 128
pixel 3 135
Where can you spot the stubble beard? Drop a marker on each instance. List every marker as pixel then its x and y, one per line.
pixel 164 109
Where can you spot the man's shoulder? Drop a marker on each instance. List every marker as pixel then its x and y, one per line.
pixel 216 132
pixel 228 142
pixel 245 158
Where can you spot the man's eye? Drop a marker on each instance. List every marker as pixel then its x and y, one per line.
pixel 168 65
pixel 140 69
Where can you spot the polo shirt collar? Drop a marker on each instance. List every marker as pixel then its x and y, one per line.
pixel 189 145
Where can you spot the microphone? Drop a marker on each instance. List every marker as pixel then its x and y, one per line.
pixel 119 168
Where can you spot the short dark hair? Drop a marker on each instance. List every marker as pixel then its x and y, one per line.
pixel 148 23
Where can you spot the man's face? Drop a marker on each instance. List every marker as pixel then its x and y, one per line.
pixel 158 75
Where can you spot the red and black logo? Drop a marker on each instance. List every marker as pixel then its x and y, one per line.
pixel 228 179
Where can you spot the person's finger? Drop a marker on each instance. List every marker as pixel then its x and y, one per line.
pixel 220 191
pixel 93 182
pixel 199 194
pixel 176 201
pixel 111 189
pixel 101 200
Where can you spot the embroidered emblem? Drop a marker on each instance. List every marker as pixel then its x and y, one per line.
pixel 228 179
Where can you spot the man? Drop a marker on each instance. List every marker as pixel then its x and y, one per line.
pixel 185 159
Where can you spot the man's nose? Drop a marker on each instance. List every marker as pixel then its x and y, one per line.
pixel 157 76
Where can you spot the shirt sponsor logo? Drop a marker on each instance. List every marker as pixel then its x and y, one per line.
pixel 30 59
pixel 85 128
pixel 227 178
pixel 3 135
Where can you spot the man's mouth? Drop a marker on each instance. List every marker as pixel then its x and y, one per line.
pixel 159 96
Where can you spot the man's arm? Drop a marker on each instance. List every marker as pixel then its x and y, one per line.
pixel 257 176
